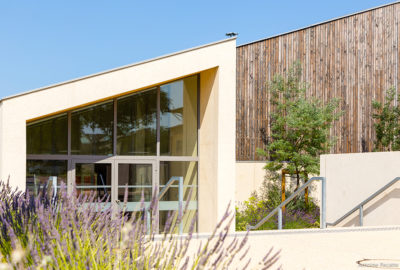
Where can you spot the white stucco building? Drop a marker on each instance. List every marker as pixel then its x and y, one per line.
pixel 137 125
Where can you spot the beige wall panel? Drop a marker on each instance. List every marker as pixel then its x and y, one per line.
pixel 1 142
pixel 249 178
pixel 315 249
pixel 208 152
pixel 351 178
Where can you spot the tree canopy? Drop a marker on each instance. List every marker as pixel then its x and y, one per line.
pixel 299 126
pixel 387 122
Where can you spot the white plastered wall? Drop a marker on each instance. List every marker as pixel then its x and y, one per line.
pixel 315 249
pixel 217 167
pixel 351 178
pixel 249 178
pixel 1 140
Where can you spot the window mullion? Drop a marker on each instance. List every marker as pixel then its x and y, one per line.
pixel 115 129
pixel 158 121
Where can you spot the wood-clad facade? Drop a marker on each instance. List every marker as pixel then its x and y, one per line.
pixel 354 58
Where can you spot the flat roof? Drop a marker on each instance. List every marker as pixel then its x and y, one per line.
pixel 316 24
pixel 117 68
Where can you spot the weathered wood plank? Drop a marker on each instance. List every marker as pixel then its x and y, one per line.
pixel 355 59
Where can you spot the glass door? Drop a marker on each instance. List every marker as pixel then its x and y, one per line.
pixel 93 176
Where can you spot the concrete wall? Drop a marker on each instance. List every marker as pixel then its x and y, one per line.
pixel 216 64
pixel 351 178
pixel 249 178
pixel 1 140
pixel 315 249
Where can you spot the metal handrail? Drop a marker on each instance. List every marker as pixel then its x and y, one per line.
pixel 180 199
pixel 279 208
pixel 169 184
pixel 360 206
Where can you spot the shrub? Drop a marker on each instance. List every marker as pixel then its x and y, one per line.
pixel 78 232
pixel 298 213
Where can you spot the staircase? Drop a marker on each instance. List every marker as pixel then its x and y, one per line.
pixel 359 207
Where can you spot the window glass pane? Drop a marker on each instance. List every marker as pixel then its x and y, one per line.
pixel 169 202
pixel 48 136
pixel 189 217
pixel 92 130
pixel 137 124
pixel 90 177
pixel 178 121
pixel 40 173
pixel 186 169
pixel 138 179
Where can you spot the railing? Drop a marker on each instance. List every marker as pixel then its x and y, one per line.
pixel 53 182
pixel 360 206
pixel 180 199
pixel 291 197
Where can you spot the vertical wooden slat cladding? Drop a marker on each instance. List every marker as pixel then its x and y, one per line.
pixel 355 59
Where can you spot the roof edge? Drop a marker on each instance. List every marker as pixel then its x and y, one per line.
pixel 319 23
pixel 117 68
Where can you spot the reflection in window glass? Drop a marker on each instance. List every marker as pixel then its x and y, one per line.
pixel 48 136
pixel 137 124
pixel 170 217
pixel 169 202
pixel 186 169
pixel 178 121
pixel 40 173
pixel 92 130
pixel 138 179
pixel 90 177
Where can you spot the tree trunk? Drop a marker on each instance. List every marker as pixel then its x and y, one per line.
pixel 283 190
pixel 298 181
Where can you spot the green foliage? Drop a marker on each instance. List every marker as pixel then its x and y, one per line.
pixel 298 214
pixel 387 122
pixel 299 126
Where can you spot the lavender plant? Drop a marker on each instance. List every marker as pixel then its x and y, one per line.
pixel 73 231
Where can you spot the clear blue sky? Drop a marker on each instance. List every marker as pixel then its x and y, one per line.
pixel 45 42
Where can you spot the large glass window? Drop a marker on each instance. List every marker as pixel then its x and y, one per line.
pixel 178 122
pixel 48 136
pixel 45 174
pixel 169 202
pixel 140 130
pixel 92 130
pixel 186 169
pixel 137 124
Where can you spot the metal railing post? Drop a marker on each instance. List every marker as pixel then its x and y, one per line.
pixel 180 198
pixel 54 179
pixel 280 218
pixel 361 215
pixel 148 221
pixel 180 204
pixel 323 203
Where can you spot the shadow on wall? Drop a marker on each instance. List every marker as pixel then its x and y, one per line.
pixel 378 207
